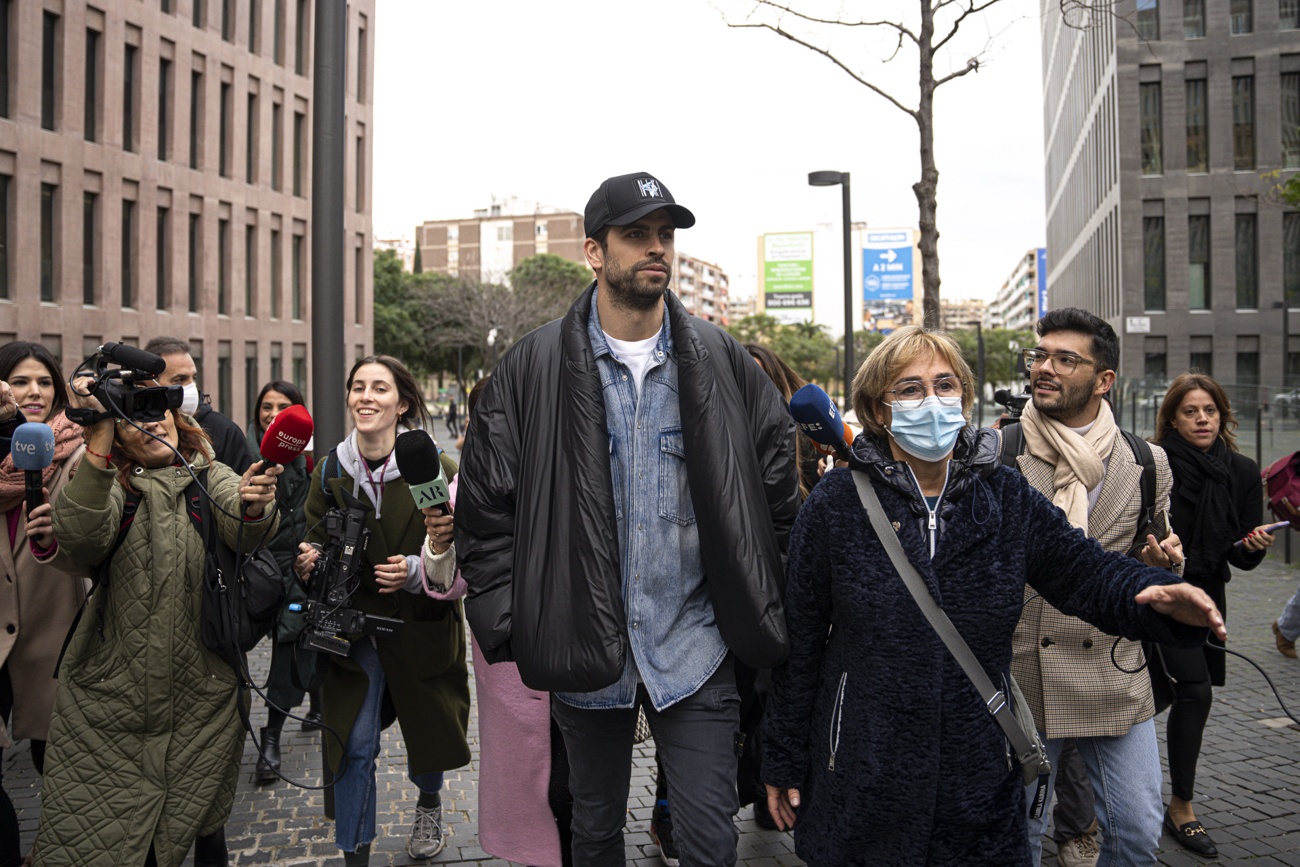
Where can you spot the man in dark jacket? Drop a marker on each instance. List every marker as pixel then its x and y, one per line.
pixel 628 485
pixel 228 441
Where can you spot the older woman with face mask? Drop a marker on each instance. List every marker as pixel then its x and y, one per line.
pixel 876 744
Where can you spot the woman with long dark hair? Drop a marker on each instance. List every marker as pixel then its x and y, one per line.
pixel 1216 502
pixel 39 598
pixel 284 688
pixel 421 669
pixel 788 382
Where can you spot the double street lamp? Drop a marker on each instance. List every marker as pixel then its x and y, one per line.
pixel 830 179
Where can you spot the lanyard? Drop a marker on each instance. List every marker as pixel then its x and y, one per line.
pixel 376 490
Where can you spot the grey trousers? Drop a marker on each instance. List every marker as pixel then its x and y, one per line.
pixel 695 739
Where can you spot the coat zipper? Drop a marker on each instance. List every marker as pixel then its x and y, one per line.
pixel 837 716
pixel 933 524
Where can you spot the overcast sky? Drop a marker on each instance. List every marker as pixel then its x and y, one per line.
pixel 544 100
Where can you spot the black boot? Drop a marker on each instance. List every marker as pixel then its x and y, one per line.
pixel 269 761
pixel 210 850
pixel 312 720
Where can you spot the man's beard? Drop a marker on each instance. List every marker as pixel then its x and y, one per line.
pixel 1070 400
pixel 628 291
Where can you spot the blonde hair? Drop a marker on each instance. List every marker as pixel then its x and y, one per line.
pixel 887 361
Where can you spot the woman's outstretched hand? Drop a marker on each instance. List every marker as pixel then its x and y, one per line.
pixel 1185 603
pixel 257 488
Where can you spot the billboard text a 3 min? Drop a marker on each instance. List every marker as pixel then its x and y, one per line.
pixel 788 276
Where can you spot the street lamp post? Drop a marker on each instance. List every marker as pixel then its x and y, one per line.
pixel 830 179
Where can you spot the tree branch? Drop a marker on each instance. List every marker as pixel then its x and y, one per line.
pixel 812 19
pixel 972 65
pixel 972 9
pixel 833 59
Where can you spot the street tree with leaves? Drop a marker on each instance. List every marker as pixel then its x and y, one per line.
pixel 928 34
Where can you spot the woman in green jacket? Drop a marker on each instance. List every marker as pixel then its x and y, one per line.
pixel 145 742
pixel 422 668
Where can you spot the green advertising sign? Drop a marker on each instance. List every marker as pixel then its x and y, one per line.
pixel 788 276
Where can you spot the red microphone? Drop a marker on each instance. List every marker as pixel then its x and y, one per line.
pixel 287 436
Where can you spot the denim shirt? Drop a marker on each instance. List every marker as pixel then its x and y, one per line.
pixel 675 642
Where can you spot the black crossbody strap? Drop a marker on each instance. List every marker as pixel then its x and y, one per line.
pixel 994 699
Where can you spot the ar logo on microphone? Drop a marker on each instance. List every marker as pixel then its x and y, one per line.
pixel 434 493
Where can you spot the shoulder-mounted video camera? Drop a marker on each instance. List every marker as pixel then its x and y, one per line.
pixel 1015 403
pixel 119 389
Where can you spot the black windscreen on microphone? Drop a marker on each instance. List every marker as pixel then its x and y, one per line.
pixel 421 469
pixel 135 359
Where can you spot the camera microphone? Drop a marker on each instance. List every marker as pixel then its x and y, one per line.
pixel 133 358
pixel 33 451
pixel 287 436
pixel 419 464
pixel 814 412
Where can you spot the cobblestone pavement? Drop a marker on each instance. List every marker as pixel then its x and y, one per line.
pixel 1248 785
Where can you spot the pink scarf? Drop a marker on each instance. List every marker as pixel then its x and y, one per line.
pixel 13 481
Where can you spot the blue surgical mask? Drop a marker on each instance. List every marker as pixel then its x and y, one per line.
pixel 928 431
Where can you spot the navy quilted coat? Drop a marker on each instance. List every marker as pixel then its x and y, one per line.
pixel 895 757
pixel 145 743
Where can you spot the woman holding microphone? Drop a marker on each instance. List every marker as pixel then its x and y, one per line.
pixel 422 668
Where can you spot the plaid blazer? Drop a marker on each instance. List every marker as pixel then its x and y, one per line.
pixel 1062 663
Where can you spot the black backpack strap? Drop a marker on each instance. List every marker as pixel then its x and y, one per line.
pixel 324 468
pixel 1147 459
pixel 1013 444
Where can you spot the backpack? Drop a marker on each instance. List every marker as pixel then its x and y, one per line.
pixel 1013 444
pixel 1282 482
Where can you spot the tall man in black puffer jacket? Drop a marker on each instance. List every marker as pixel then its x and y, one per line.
pixel 627 489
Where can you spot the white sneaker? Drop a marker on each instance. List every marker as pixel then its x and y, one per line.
pixel 426 833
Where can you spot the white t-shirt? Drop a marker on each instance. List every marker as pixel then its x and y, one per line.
pixel 636 354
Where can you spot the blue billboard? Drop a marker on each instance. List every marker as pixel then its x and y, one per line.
pixel 1041 272
pixel 888 286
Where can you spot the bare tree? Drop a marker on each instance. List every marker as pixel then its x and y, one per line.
pixel 931 35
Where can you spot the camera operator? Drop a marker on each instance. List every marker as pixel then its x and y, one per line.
pixel 421 664
pixel 145 743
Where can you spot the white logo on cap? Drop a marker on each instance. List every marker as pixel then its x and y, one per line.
pixel 649 188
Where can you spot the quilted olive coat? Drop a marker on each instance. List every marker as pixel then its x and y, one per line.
pixel 145 742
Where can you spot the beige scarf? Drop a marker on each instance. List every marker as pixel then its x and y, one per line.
pixel 1078 459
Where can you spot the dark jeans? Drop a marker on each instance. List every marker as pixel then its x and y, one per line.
pixel 1180 681
pixel 695 739
pixel 1075 809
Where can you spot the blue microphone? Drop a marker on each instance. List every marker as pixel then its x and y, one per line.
pixel 33 451
pixel 814 412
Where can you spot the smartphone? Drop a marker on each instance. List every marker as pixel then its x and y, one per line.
pixel 1269 529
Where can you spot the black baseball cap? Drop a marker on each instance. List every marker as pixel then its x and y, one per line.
pixel 627 198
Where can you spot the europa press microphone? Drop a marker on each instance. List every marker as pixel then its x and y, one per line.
pixel 417 461
pixel 814 412
pixel 33 451
pixel 286 436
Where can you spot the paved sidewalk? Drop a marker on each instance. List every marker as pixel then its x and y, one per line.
pixel 1249 784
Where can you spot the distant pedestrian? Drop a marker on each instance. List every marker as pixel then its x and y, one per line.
pixel 453 412
pixel 1286 629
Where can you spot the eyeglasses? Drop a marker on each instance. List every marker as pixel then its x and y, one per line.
pixel 910 392
pixel 1064 362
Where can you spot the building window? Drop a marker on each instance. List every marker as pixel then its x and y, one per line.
pixel 164 108
pixel 1155 364
pixel 277 144
pixel 1247 262
pixel 1248 368
pixel 300 38
pixel 1198 262
pixel 1153 262
pixel 4 227
pixel 1194 19
pixel 161 258
pixel 295 286
pixel 1198 131
pixel 250 144
pixel 196 116
pixel 359 278
pixel 299 157
pixel 1149 101
pixel 251 384
pixel 300 366
pixel 223 267
pixel 89 232
pixel 128 253
pixel 362 49
pixel 1148 23
pixel 199 17
pixel 1290 258
pixel 129 83
pixel 254 32
pixel 277 361
pixel 49 68
pixel 1202 361
pixel 1243 122
pixel 223 377
pixel 91 92
pixel 228 20
pixel 1290 120
pixel 223 145
pixel 360 173
pixel 277 41
pixel 6 7
pixel 166 6
pixel 250 270
pixel 194 256
pixel 1241 16
pixel 1288 14
pixel 49 216
pixel 277 266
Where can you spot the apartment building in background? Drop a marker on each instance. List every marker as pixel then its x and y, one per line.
pixel 961 314
pixel 155 178
pixel 1018 303
pixel 1161 116
pixel 703 288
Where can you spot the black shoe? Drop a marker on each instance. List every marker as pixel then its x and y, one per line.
pixel 1191 836
pixel 210 850
pixel 269 761
pixel 661 832
pixel 312 721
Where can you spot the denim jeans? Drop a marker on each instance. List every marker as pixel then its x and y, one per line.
pixel 695 739
pixel 1126 777
pixel 1289 623
pixel 354 791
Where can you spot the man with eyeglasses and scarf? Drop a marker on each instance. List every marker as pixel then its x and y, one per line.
pixel 1083 684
